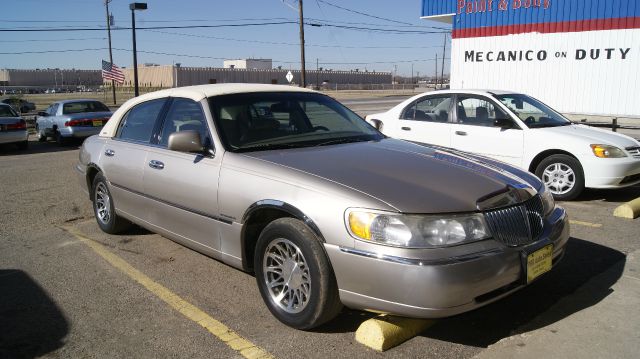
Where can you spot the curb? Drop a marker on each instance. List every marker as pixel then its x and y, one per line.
pixel 630 210
pixel 385 332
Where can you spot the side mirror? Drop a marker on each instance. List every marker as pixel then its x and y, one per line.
pixel 185 141
pixel 504 123
pixel 43 114
pixel 376 123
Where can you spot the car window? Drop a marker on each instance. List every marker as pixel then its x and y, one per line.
pixel 84 106
pixel 431 109
pixel 7 111
pixel 477 111
pixel 264 121
pixel 53 110
pixel 139 122
pixel 183 115
pixel 532 112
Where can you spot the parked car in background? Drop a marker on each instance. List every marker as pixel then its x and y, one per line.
pixel 13 128
pixel 19 104
pixel 519 130
pixel 68 119
pixel 290 184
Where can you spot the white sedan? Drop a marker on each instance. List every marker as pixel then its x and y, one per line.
pixel 519 130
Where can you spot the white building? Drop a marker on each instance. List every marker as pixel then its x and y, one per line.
pixel 250 64
pixel 579 56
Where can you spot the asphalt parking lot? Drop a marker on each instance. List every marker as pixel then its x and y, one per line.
pixel 69 290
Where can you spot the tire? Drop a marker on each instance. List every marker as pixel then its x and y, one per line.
pixel 60 140
pixel 23 145
pixel 42 137
pixel 563 175
pixel 103 208
pixel 311 297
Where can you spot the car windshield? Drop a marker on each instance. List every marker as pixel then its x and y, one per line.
pixel 267 120
pixel 532 112
pixel 7 111
pixel 83 106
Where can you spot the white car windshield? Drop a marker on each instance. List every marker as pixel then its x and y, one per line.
pixel 532 112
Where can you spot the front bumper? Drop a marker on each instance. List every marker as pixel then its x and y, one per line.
pixel 79 131
pixel 13 136
pixel 611 172
pixel 438 288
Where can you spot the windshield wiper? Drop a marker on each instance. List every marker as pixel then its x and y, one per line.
pixel 272 146
pixel 343 140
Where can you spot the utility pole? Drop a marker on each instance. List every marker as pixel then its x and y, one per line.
pixel 412 73
pixel 436 85
pixel 444 51
pixel 113 82
pixel 317 73
pixel 302 68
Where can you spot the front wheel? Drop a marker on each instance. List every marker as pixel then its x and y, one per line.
pixel 42 136
pixel 104 210
pixel 294 276
pixel 563 175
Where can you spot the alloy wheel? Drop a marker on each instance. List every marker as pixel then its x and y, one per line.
pixel 287 275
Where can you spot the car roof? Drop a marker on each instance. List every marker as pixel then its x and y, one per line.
pixel 199 92
pixel 474 92
pixel 62 102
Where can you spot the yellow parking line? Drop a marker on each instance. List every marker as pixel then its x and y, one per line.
pixel 586 224
pixel 215 327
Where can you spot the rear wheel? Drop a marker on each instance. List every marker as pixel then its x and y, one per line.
pixel 294 275
pixel 563 175
pixel 60 140
pixel 104 209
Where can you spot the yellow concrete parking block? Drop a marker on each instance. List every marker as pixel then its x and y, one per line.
pixel 629 210
pixel 385 331
pixel 190 311
pixel 586 224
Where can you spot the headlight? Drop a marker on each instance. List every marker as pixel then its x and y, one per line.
pixel 606 151
pixel 548 203
pixel 416 231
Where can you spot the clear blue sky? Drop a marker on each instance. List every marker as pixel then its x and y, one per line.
pixel 335 48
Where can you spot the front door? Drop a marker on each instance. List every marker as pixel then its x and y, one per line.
pixel 184 186
pixel 475 130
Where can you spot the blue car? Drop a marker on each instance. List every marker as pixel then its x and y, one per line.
pixel 65 120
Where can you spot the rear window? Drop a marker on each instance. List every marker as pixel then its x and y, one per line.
pixel 84 106
pixel 7 111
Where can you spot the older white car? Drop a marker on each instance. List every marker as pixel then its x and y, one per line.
pixel 519 130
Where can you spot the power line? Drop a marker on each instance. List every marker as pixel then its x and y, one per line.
pixel 362 13
pixel 51 29
pixel 55 40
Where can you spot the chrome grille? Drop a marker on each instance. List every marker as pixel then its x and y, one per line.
pixel 634 151
pixel 517 225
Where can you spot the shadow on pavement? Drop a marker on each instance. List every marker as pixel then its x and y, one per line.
pixel 506 317
pixel 38 147
pixel 31 325
pixel 618 195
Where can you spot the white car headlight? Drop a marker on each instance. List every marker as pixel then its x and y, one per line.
pixel 413 231
pixel 606 151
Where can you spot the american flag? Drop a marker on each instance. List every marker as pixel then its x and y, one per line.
pixel 112 72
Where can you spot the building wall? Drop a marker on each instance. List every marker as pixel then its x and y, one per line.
pixel 50 77
pixel 260 64
pixel 168 76
pixel 579 56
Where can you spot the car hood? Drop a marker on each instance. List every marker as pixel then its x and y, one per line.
pixel 592 135
pixel 409 177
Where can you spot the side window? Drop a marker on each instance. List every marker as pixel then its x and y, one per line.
pixel 53 109
pixel 183 115
pixel 477 111
pixel 140 120
pixel 431 109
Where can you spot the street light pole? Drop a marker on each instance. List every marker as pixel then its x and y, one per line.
pixel 113 82
pixel 135 6
pixel 302 68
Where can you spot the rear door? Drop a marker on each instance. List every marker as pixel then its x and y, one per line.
pixel 184 186
pixel 475 130
pixel 426 120
pixel 124 157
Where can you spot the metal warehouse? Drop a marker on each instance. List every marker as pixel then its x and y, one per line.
pixel 579 56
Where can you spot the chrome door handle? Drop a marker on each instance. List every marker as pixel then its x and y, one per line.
pixel 406 128
pixel 156 164
pixel 461 133
pixel 109 152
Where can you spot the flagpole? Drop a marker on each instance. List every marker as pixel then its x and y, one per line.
pixel 113 83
